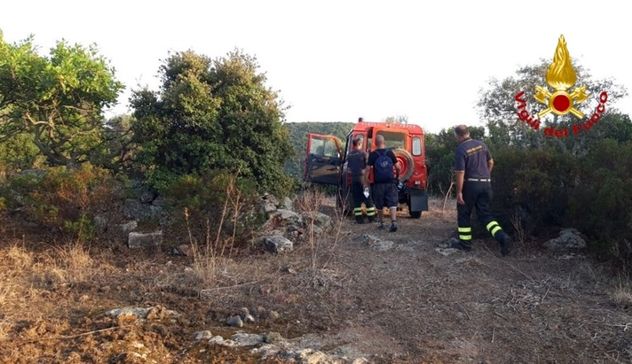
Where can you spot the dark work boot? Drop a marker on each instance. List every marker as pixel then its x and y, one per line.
pixel 393 227
pixel 359 219
pixel 460 245
pixel 371 219
pixel 505 242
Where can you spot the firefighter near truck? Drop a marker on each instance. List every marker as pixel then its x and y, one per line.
pixel 326 162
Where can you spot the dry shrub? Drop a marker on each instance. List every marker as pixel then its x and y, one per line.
pixel 76 261
pixel 224 217
pixel 321 244
pixel 18 259
pixel 622 294
pixel 17 262
pixel 63 199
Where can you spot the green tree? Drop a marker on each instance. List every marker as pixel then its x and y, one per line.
pixel 498 106
pixel 57 99
pixel 212 114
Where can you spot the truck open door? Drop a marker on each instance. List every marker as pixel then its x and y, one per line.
pixel 323 159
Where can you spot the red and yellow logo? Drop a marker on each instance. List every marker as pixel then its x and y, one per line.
pixel 562 99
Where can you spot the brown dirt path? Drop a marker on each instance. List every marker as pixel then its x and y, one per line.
pixel 415 304
pixel 407 304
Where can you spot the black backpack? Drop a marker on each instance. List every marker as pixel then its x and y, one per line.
pixel 383 166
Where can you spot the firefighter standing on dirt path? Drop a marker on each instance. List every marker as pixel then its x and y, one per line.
pixel 356 162
pixel 384 191
pixel 473 168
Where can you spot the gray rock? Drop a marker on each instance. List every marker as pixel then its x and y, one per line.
pixel 243 312
pixel 268 207
pixel 235 321
pixel 271 198
pixel 321 220
pixel 288 217
pixel 245 339
pixel 147 196
pixel 134 209
pixel 376 243
pixel 139 240
pixel 272 337
pixel 318 231
pixel 137 312
pixel 100 223
pixel 568 239
pixel 218 340
pixel 249 319
pixel 287 204
pixel 203 335
pixel 446 251
pixel 278 244
pixel 128 227
pixel 156 312
pixel 273 315
pixel 182 250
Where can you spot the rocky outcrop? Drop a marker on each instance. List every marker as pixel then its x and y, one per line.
pixel 376 243
pixel 568 239
pixel 278 244
pixel 140 240
pixel 140 313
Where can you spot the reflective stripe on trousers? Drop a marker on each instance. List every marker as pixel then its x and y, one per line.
pixel 493 227
pixel 465 233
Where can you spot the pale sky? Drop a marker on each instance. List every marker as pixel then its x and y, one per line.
pixel 337 60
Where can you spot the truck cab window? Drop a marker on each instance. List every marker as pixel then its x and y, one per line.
pixel 393 140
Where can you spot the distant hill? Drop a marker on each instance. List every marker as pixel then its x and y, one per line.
pixel 298 137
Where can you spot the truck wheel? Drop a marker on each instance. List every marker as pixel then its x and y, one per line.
pixel 407 163
pixel 414 214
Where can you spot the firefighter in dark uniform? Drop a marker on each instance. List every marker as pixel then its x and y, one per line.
pixel 356 164
pixel 473 168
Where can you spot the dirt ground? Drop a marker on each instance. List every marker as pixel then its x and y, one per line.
pixel 408 304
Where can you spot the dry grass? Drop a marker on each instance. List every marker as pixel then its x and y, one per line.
pixel 17 262
pixel 321 244
pixel 622 294
pixel 76 261
pixel 521 234
pixel 211 256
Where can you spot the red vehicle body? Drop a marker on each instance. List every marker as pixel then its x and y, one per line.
pixel 326 161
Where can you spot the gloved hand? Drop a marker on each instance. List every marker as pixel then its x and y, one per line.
pixel 366 192
pixel 400 185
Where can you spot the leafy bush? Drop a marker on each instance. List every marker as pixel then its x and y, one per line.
pixel 602 200
pixel 211 115
pixel 61 198
pixel 592 193
pixel 216 203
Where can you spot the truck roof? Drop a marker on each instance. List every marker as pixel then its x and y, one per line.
pixel 367 125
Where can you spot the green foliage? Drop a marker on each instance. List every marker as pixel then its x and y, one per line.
pixel 57 99
pixel 211 115
pixel 298 137
pixel 116 150
pixel 602 200
pixel 216 201
pixel 440 157
pixel 592 193
pixel 581 181
pixel 498 107
pixel 61 198
pixel 18 153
